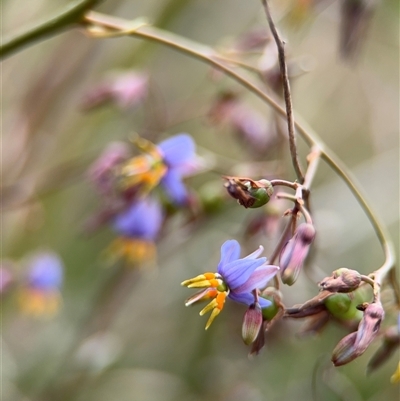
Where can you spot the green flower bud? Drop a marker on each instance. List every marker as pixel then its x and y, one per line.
pixel 249 193
pixel 262 194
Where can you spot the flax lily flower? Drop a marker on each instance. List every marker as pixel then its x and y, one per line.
pixel 40 295
pixel 137 228
pixel 166 164
pixel 235 279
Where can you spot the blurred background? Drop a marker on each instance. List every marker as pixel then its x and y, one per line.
pixel 114 332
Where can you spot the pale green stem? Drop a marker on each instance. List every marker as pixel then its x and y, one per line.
pixel 73 13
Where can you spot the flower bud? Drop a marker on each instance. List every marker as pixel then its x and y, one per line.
pixel 249 193
pixel 294 253
pixel 355 344
pixel 342 280
pixel 252 323
pixel 345 350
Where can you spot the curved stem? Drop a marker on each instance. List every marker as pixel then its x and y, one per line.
pixel 283 183
pixel 206 54
pixel 209 56
pixel 72 14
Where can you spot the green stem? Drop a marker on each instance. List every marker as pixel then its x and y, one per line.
pixel 72 14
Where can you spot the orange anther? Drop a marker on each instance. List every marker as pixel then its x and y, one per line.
pixel 209 276
pixel 220 300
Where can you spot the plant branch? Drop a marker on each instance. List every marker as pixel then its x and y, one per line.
pixel 210 57
pixel 72 14
pixel 286 92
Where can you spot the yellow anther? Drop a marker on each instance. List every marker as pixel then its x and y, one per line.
pixel 213 315
pixel 199 278
pixel 210 306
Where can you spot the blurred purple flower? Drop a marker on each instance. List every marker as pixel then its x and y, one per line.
pixel 138 227
pixel 127 90
pixel 142 219
pixel 166 163
pixel 45 271
pixel 235 278
pixel 102 172
pixel 6 276
pixel 40 296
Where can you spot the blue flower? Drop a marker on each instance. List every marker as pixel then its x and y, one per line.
pixel 166 164
pixel 138 227
pixel 178 153
pixel 45 271
pixel 40 296
pixel 235 278
pixel 142 219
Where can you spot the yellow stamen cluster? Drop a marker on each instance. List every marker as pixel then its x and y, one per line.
pixel 133 250
pixel 215 288
pixel 35 302
pixel 144 171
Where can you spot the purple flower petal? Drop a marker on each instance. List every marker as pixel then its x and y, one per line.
pixel 230 251
pixel 142 219
pixel 174 187
pixel 46 271
pixel 258 279
pixel 238 272
pixel 177 149
pixel 247 298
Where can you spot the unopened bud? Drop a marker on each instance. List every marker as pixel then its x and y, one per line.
pixel 355 344
pixel 342 280
pixel 249 193
pixel 345 350
pixel 252 323
pixel 295 252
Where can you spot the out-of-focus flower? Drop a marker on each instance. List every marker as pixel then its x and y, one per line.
pixel 6 276
pixel 166 164
pixel 235 278
pixel 137 227
pixel 126 90
pixel 249 125
pixel 355 344
pixel 40 295
pixel 102 172
pixel 295 252
pixel 342 280
pixel 249 193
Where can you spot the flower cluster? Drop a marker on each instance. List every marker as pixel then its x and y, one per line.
pixel 125 183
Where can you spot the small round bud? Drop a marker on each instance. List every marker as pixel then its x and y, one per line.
pixel 262 194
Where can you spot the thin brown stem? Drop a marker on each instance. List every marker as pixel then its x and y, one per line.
pixel 286 92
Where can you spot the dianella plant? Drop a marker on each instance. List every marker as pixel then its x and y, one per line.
pixel 150 146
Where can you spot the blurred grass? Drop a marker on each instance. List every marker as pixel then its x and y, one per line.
pixel 164 352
